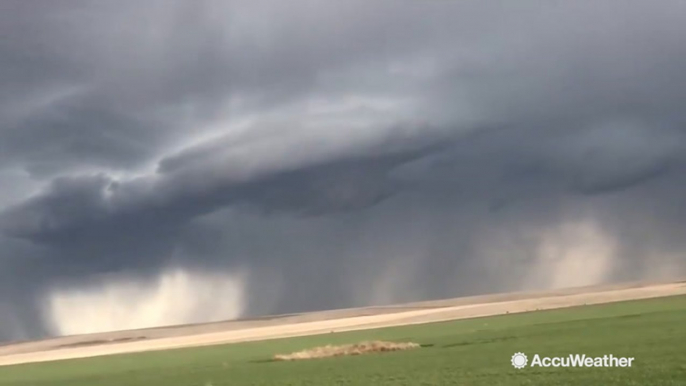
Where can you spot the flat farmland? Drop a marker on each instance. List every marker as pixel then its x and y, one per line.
pixel 470 350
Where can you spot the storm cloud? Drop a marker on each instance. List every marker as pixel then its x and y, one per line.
pixel 253 157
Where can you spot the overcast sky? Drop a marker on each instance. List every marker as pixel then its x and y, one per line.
pixel 185 161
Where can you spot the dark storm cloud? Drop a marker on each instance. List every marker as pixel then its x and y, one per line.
pixel 74 208
pixel 363 152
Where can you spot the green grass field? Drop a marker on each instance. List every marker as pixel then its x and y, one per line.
pixel 464 352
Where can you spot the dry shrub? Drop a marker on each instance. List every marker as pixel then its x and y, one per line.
pixel 347 349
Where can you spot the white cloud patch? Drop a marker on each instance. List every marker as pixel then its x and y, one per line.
pixel 174 297
pixel 573 254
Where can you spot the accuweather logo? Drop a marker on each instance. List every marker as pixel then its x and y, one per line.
pixel 519 361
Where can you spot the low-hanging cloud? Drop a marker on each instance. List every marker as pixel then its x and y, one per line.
pixel 319 156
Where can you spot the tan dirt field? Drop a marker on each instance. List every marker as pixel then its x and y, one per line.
pixel 282 326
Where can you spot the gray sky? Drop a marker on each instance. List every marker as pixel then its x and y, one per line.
pixel 331 154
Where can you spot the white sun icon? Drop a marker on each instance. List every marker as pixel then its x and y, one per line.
pixel 519 360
